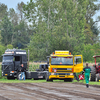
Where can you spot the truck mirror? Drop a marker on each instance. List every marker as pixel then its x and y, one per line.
pixel 47 60
pixel 76 61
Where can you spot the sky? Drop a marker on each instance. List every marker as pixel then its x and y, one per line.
pixel 13 3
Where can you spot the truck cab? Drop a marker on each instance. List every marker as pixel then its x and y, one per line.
pixel 62 65
pixel 11 62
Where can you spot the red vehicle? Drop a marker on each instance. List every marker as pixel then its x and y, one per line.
pixel 95 70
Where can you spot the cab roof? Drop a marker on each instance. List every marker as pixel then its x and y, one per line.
pixel 96 56
pixel 15 52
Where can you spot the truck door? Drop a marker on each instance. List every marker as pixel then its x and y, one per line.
pixel 78 63
pixel 24 61
pixel 17 62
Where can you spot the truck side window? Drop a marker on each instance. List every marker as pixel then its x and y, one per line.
pixel 17 58
pixel 77 60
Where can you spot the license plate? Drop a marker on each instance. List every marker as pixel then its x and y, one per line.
pixel 40 76
pixel 6 74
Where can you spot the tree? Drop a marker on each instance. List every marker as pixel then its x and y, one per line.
pixel 92 8
pixel 21 36
pixel 88 53
pixel 7 31
pixel 9 46
pixel 3 10
pixel 59 25
pixel 13 16
pixel 88 34
pixel 20 9
pixel 2 50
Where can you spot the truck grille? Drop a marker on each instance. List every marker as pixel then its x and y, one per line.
pixel 61 73
pixel 63 69
pixel 6 67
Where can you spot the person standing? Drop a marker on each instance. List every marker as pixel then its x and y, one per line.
pixel 87 71
pixel 76 77
pixel 22 72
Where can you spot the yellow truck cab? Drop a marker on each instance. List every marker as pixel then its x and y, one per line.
pixel 62 65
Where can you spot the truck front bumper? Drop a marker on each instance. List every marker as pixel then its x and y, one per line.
pixel 60 76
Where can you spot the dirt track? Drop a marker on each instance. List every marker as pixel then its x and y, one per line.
pixel 48 91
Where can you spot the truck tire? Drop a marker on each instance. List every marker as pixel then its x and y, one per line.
pixel 71 80
pixel 68 80
pixel 19 75
pixel 98 77
pixel 93 73
pixel 65 80
pixel 36 79
pixel 10 77
pixel 47 77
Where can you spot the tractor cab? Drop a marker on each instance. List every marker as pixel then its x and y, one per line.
pixel 97 66
pixel 95 70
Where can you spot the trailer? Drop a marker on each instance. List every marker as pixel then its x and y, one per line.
pixel 11 64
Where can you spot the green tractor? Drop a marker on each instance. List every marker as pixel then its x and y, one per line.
pixel 95 70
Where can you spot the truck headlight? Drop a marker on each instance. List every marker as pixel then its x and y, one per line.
pixel 52 73
pixel 69 68
pixel 11 71
pixel 71 73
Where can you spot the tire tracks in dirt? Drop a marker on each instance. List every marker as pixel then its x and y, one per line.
pixel 40 94
pixel 56 91
pixel 70 91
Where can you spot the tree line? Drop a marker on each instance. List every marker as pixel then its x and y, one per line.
pixel 43 26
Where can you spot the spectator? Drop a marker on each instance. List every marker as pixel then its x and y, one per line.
pixel 87 71
pixel 22 72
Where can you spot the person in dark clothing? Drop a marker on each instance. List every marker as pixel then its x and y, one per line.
pixel 87 71
pixel 22 72
pixel 76 77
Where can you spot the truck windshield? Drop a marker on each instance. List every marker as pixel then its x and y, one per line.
pixel 62 61
pixel 7 58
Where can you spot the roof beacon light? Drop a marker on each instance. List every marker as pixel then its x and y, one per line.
pixel 62 52
pixel 53 53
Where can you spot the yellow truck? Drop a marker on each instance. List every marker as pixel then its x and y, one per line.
pixel 62 65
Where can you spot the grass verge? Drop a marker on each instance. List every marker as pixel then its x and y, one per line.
pixel 3 80
pixel 83 82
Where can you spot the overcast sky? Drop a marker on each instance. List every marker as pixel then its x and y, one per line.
pixel 13 3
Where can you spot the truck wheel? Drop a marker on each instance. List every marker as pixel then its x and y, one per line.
pixel 65 80
pixel 10 77
pixel 19 75
pixel 68 80
pixel 98 77
pixel 93 73
pixel 36 79
pixel 71 80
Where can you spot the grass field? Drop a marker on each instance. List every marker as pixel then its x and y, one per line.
pixel 3 80
pixel 32 67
